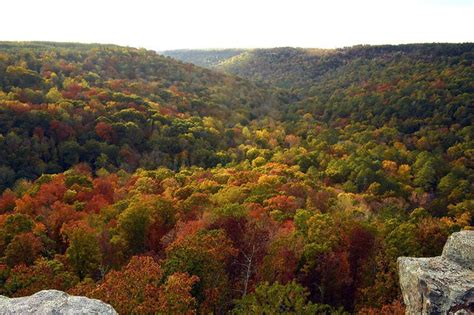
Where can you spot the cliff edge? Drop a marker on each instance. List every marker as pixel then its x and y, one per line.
pixel 49 302
pixel 443 284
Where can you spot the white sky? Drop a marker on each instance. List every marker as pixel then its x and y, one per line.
pixel 174 24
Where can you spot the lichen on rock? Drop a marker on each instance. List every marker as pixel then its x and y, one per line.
pixel 49 302
pixel 443 284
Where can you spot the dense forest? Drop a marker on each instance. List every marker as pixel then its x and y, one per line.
pixel 288 181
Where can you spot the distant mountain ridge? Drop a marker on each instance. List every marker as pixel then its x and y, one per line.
pixel 208 58
pixel 412 83
pixel 290 67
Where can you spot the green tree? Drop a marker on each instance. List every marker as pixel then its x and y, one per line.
pixel 83 252
pixel 276 298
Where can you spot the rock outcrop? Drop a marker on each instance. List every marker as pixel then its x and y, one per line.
pixel 49 302
pixel 443 284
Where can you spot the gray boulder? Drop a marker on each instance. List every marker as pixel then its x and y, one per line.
pixel 49 302
pixel 443 284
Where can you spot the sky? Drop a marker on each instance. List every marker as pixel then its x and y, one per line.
pixel 178 24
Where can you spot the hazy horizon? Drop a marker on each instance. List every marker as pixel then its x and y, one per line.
pixel 225 48
pixel 309 47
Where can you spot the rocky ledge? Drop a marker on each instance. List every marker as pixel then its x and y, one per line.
pixel 443 284
pixel 49 302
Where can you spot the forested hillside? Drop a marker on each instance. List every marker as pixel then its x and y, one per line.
pixel 115 108
pixel 294 194
pixel 302 68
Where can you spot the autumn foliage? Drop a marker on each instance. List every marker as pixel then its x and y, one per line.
pixel 160 187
